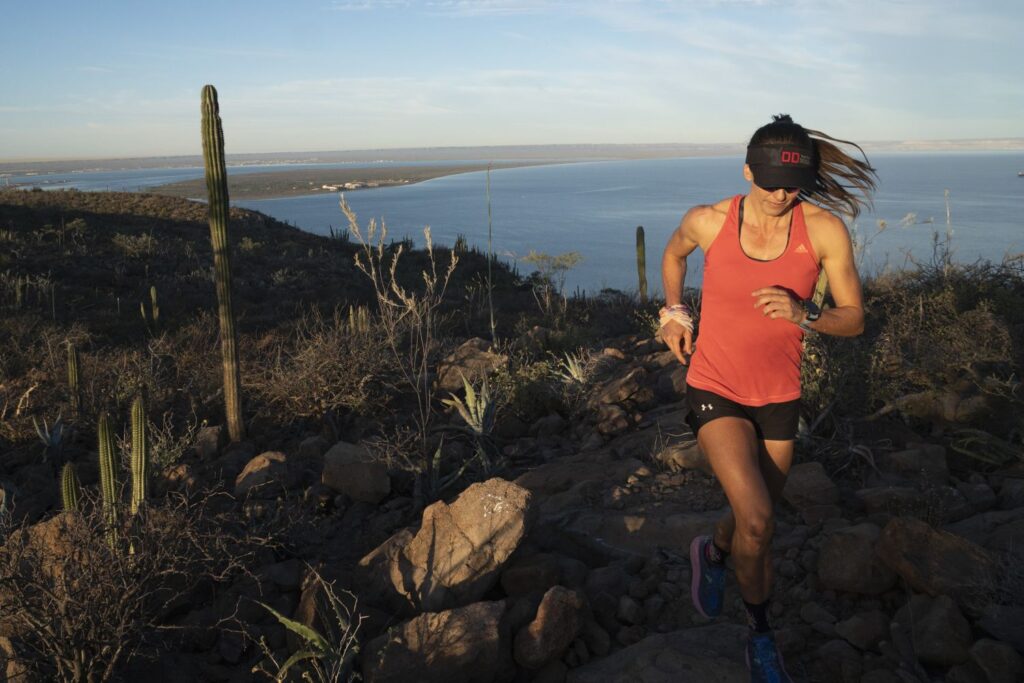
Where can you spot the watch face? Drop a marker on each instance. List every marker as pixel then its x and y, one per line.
pixel 813 312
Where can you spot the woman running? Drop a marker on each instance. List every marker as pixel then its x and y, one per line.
pixel 762 256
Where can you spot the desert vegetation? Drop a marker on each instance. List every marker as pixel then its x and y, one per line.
pixel 416 497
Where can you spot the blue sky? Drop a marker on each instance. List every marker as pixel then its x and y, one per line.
pixel 102 79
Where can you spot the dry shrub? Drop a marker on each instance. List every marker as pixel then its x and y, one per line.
pixel 326 366
pixel 33 373
pixel 942 345
pixel 929 342
pixel 136 246
pixel 77 606
pixel 528 389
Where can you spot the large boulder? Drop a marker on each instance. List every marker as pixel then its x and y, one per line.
pixel 534 573
pixel 999 661
pixel 923 461
pixel 865 629
pixel 351 469
pixel 620 389
pixel 1005 623
pixel 847 561
pixel 558 622
pixel 457 554
pixel 980 527
pixel 940 633
pixel 937 562
pixel 808 485
pixel 463 645
pixel 265 476
pixel 473 360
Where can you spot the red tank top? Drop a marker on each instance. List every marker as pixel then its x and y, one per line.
pixel 741 354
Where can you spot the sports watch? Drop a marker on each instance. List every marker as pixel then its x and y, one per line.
pixel 812 313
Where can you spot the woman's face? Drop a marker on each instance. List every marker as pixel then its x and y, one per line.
pixel 772 201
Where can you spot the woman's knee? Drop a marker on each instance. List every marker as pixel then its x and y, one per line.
pixel 756 528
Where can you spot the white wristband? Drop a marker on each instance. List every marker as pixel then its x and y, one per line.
pixel 676 316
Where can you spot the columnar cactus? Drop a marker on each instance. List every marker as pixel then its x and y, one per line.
pixel 70 489
pixel 641 262
pixel 73 386
pixel 140 455
pixel 217 191
pixel 108 475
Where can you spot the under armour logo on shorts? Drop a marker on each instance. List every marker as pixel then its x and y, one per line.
pixel 706 406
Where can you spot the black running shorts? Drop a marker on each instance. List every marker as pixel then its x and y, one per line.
pixel 774 421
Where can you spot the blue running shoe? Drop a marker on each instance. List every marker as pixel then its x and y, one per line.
pixel 707 585
pixel 764 660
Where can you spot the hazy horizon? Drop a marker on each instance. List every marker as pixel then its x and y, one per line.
pixel 566 151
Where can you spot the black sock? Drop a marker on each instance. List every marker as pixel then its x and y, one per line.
pixel 714 554
pixel 757 617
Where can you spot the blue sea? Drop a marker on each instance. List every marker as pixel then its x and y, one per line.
pixel 593 208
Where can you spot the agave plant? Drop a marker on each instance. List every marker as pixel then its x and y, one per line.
pixel 478 408
pixel 574 368
pixel 325 657
pixel 53 438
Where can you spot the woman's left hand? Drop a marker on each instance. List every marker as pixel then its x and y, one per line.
pixel 776 302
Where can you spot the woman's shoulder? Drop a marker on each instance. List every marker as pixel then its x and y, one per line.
pixel 708 216
pixel 824 228
pixel 703 222
pixel 817 216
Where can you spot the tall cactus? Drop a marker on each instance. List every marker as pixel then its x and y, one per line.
pixel 140 455
pixel 70 489
pixel 641 263
pixel 108 475
pixel 217 190
pixel 74 388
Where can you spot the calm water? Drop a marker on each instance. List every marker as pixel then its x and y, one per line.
pixel 593 208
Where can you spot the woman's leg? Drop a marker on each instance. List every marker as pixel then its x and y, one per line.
pixel 775 458
pixel 735 456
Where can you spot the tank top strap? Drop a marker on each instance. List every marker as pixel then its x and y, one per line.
pixel 798 236
pixel 732 219
pixel 731 226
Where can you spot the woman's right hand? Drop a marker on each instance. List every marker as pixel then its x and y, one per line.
pixel 678 339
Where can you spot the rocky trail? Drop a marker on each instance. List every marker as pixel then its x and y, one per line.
pixel 575 569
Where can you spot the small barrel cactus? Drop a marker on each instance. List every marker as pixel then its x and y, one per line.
pixel 70 488
pixel 140 455
pixel 108 475
pixel 74 388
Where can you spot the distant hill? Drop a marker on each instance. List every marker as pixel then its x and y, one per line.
pixel 568 152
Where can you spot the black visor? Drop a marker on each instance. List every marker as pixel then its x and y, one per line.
pixel 786 165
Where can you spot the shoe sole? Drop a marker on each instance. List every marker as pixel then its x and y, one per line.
pixel 695 550
pixel 782 663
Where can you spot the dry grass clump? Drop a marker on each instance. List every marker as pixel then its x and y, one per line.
pixel 326 366
pixel 77 607
pixel 942 346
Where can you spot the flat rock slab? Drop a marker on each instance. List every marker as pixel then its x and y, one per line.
pixel 709 654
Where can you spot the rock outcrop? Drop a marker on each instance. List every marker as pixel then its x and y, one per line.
pixel 455 556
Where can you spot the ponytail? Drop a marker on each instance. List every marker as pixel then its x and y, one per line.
pixel 844 184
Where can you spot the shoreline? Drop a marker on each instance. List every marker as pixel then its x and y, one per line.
pixel 304 182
